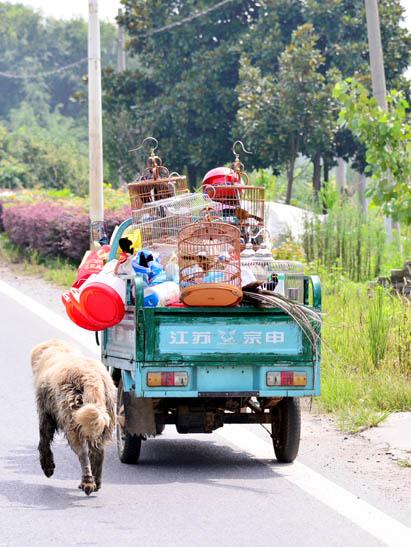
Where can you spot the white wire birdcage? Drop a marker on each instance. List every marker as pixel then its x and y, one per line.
pixel 285 277
pixel 293 273
pixel 160 222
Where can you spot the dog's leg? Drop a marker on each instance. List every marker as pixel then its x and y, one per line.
pixel 47 430
pixel 96 459
pixel 80 448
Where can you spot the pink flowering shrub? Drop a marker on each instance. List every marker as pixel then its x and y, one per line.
pixel 55 230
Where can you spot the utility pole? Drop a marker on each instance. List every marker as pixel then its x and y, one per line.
pixel 97 227
pixel 377 72
pixel 121 65
pixel 121 54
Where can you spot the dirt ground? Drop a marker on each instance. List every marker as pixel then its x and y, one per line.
pixel 368 459
pixel 372 460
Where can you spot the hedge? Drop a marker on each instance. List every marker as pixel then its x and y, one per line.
pixel 53 230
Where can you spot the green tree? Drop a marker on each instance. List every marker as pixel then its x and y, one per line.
pixel 387 139
pixel 191 70
pixel 342 43
pixel 34 45
pixel 291 113
pixel 51 156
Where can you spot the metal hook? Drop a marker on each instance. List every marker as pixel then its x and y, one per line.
pixel 242 146
pixel 142 144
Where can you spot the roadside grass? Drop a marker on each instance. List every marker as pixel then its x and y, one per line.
pixel 366 357
pixel 57 271
pixel 366 350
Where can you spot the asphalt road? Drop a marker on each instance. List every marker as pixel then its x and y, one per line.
pixel 223 489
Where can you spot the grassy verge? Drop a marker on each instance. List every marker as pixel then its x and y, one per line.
pixel 366 361
pixel 59 272
pixel 366 354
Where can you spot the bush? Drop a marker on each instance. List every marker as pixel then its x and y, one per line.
pixel 54 231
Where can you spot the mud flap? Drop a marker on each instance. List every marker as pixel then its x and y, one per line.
pixel 139 414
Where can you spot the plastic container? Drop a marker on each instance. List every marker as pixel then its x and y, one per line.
pixel 171 271
pixel 162 295
pixel 101 299
pixel 77 317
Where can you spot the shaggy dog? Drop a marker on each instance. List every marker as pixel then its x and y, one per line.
pixel 75 395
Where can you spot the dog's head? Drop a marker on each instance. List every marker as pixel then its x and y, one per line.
pixel 44 350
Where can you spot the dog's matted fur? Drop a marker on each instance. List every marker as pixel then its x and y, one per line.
pixel 75 395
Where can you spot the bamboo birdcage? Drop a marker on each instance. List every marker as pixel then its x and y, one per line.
pixel 156 183
pixel 209 263
pixel 238 203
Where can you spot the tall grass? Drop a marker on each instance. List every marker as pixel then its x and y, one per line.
pixel 348 241
pixel 378 327
pixel 366 362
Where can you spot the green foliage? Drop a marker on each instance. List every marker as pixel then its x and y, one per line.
pixel 114 199
pixel 186 81
pixel 32 44
pixel 378 328
pixel 386 135
pixel 291 112
pixel 348 244
pixel 353 388
pixel 12 173
pixel 289 249
pixel 342 46
pixel 52 155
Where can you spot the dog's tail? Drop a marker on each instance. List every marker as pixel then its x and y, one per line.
pixel 93 417
pixel 92 420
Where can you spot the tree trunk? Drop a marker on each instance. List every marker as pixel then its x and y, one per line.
pixel 316 159
pixel 326 180
pixel 362 186
pixel 341 175
pixel 192 177
pixel 290 170
pixel 290 179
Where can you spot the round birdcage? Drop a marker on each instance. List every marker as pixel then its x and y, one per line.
pixel 209 263
pixel 156 183
pixel 237 202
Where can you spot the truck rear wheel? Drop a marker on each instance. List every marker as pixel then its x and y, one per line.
pixel 128 445
pixel 286 429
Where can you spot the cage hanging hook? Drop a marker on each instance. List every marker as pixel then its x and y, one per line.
pixel 142 144
pixel 237 166
pixel 242 146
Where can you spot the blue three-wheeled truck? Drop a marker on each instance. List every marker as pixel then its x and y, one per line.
pixel 200 368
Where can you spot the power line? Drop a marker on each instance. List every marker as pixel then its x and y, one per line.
pixel 186 19
pixel 147 35
pixel 39 75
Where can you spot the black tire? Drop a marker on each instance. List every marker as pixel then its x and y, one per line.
pixel 160 428
pixel 286 429
pixel 128 445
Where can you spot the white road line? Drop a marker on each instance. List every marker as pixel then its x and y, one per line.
pixel 380 525
pixel 66 326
